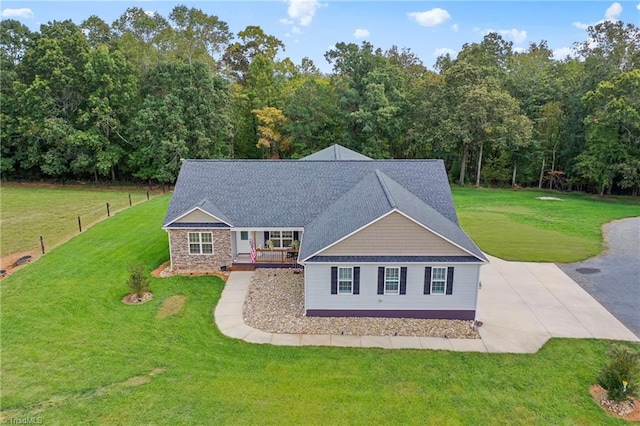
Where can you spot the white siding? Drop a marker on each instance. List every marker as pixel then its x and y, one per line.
pixel 394 234
pixel 318 289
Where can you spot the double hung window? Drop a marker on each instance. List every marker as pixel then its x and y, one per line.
pixel 200 243
pixel 392 281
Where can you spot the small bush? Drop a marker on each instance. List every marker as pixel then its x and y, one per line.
pixel 138 280
pixel 623 368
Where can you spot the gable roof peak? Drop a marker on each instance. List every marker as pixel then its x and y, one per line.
pixel 336 152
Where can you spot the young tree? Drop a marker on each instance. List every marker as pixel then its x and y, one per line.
pixel 271 128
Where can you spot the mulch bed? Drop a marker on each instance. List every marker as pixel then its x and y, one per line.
pixel 133 299
pixel 628 410
pixel 163 271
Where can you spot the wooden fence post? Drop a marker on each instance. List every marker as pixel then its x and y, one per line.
pixel 129 199
pixel 108 212
pixel 42 244
pixel 147 195
pixel 79 224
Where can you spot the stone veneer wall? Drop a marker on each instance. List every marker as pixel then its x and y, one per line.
pixel 182 261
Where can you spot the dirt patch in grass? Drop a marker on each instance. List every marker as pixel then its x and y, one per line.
pixel 171 306
pixel 628 410
pixel 8 262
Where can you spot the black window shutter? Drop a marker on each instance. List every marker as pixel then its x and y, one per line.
pixel 427 280
pixel 296 235
pixel 381 280
pixel 266 237
pixel 356 280
pixel 403 280
pixel 334 280
pixel 450 280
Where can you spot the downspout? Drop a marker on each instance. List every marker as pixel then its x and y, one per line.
pixel 303 272
pixel 170 251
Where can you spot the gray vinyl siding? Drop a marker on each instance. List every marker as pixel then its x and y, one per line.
pixel 198 216
pixel 318 289
pixel 394 234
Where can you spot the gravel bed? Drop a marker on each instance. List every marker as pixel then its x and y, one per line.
pixel 275 304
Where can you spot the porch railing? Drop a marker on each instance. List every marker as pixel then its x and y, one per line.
pixel 276 256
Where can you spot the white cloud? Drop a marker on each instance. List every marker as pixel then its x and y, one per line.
pixel 519 49
pixel 286 21
pixel 454 27
pixel 638 6
pixel 17 13
pixel 150 13
pixel 443 51
pixel 296 30
pixel 517 36
pixel 303 11
pixel 611 14
pixel 613 11
pixel 562 53
pixel 431 18
pixel 361 33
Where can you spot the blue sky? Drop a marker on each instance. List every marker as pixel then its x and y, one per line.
pixel 310 27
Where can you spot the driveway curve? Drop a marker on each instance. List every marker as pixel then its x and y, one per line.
pixel 613 278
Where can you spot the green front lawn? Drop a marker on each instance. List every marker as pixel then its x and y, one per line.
pixel 515 225
pixel 73 353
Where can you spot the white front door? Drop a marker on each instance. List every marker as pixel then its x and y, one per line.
pixel 242 242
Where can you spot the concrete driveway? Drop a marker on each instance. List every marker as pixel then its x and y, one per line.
pixel 523 304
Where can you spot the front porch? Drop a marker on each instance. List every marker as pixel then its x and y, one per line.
pixel 272 248
pixel 265 258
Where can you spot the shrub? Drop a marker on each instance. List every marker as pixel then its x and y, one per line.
pixel 138 280
pixel 619 377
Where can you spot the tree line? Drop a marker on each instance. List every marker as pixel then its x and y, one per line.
pixel 128 101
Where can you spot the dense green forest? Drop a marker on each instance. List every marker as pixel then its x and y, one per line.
pixel 128 101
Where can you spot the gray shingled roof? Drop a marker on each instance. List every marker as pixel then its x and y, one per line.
pixel 335 152
pixel 375 195
pixel 288 193
pixel 426 215
pixel 362 204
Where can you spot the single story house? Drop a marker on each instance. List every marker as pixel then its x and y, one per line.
pixel 375 237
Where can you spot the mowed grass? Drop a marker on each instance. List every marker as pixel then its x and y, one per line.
pixel 73 353
pixel 28 212
pixel 515 225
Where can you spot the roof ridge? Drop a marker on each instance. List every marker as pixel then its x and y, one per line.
pixel 387 192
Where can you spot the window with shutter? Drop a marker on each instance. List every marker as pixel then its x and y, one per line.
pixel 392 280
pixel 438 280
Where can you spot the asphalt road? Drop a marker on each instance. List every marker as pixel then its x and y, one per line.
pixel 613 278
